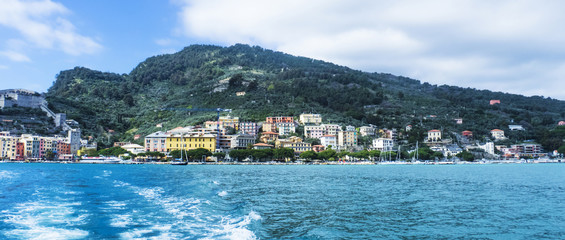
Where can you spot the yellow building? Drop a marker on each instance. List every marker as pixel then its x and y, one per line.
pixel 8 147
pixel 190 141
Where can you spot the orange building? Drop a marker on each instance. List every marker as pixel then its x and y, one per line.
pixel 280 119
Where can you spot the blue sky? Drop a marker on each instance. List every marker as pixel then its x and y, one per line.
pixel 508 46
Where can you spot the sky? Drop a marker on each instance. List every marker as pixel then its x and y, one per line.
pixel 508 46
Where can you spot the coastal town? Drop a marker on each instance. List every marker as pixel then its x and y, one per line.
pixel 305 137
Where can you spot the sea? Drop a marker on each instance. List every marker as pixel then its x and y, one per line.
pixel 103 201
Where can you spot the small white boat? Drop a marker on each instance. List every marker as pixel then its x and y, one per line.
pixel 100 160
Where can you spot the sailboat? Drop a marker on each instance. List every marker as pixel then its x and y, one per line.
pixel 181 162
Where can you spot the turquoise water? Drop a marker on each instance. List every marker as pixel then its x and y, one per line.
pixel 80 201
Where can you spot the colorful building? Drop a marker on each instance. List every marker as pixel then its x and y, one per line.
pixel 156 142
pixel 190 141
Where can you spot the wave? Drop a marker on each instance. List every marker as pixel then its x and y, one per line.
pixel 46 220
pixel 184 216
pixel 4 174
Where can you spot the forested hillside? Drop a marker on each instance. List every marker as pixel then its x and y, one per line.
pixel 280 84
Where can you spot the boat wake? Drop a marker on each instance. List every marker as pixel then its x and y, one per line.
pixel 179 217
pixel 46 220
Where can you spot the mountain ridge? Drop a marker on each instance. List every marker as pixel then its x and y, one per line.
pixel 277 83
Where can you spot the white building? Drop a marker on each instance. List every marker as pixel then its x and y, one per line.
pixel 367 131
pixel 242 141
pixel 434 135
pixel 383 144
pixel 497 134
pixel 516 127
pixel 286 128
pixel 134 148
pixel 314 131
pixel 488 147
pixel 328 140
pixel 331 129
pixel 310 118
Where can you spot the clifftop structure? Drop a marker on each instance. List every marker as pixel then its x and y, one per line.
pixel 21 98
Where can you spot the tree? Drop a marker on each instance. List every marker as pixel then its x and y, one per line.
pixel 561 149
pixel 466 156
pixel 327 154
pixel 197 154
pixel 113 151
pixel 236 81
pixel 309 155
pixel 49 155
pixel 252 85
pixel 219 155
pixel 313 141
pixel 176 154
pixel 283 153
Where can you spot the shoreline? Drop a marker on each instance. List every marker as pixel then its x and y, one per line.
pixel 314 163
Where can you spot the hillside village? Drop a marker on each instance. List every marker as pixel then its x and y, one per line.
pixel 305 136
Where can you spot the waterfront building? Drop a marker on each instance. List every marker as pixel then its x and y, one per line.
pixel 8 146
pixel 524 150
pixel 347 138
pixel 156 142
pixel 298 147
pixel 31 146
pixel 241 141
pixel 134 148
pixel 329 141
pixel 74 140
pixel 383 144
pixel 190 141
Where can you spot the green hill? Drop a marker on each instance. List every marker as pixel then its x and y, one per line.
pixel 280 84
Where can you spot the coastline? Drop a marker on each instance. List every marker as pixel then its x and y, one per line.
pixel 534 161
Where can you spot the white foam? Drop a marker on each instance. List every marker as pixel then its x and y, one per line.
pixel 4 174
pixel 106 173
pixel 190 218
pixel 254 215
pixel 121 220
pixel 46 220
pixel 216 182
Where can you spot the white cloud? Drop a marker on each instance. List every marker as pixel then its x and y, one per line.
pixel 41 25
pixel 15 56
pixel 503 45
